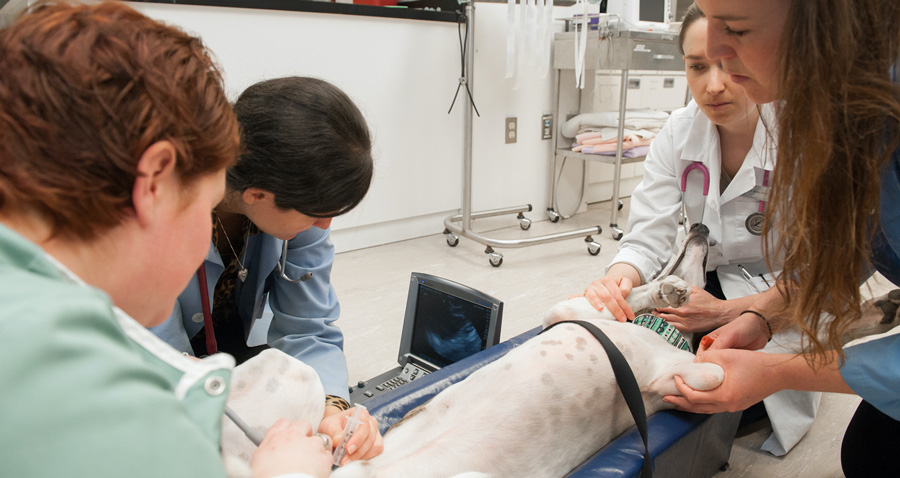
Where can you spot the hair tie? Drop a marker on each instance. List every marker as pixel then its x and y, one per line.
pixel 766 321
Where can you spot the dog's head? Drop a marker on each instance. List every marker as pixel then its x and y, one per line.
pixel 879 315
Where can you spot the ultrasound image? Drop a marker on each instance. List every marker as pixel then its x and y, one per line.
pixel 454 337
pixel 448 328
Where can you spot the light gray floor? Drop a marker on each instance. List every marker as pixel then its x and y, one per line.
pixel 372 286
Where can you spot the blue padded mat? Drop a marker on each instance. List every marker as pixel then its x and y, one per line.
pixel 681 444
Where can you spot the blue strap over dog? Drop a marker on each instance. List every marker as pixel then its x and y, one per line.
pixel 627 384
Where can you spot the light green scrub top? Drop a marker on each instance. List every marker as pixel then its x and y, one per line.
pixel 86 391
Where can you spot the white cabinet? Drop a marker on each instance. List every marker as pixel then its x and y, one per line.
pixel 659 90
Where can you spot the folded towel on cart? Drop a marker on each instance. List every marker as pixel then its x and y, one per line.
pixel 634 119
pixel 605 142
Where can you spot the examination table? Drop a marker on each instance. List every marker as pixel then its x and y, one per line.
pixel 681 444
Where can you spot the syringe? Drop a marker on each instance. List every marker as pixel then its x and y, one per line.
pixel 349 430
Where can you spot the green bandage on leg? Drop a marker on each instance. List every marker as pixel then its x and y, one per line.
pixel 664 329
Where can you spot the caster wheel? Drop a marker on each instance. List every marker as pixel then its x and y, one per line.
pixel 593 246
pixel 621 205
pixel 524 223
pixel 617 235
pixel 452 240
pixel 553 215
pixel 494 257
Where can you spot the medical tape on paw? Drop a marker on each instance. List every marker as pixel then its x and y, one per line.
pixel 664 329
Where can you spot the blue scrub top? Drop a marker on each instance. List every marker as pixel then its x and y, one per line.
pixel 872 368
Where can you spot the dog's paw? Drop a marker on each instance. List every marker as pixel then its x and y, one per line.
pixel 703 376
pixel 674 291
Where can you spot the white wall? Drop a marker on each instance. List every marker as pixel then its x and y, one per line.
pixel 402 74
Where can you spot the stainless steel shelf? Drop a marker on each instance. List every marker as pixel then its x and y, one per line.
pixel 598 158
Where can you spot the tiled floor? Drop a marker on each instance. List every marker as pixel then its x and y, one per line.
pixel 372 286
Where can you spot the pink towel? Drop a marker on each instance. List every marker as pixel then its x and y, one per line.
pixel 580 138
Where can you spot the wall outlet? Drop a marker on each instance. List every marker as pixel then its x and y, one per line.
pixel 511 129
pixel 546 126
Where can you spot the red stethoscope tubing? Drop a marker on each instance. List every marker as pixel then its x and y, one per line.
pixel 211 346
pixel 696 165
pixel 702 168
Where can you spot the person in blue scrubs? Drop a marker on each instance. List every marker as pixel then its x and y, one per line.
pixel 306 158
pixel 830 66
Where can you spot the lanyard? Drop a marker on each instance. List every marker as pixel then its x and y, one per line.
pixel 762 204
pixel 211 346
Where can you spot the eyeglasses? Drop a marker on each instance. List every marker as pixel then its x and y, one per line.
pixel 281 267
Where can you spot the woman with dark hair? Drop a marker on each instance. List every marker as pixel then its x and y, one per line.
pixel 115 133
pixel 722 130
pixel 830 66
pixel 306 158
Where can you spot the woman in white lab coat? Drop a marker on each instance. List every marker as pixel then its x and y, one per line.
pixel 722 130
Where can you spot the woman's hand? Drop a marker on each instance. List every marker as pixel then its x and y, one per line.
pixel 703 312
pixel 364 444
pixel 610 292
pixel 746 332
pixel 748 379
pixel 291 448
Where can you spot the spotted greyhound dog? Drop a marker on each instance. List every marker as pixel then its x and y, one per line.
pixel 517 416
pixel 551 388
pixel 547 405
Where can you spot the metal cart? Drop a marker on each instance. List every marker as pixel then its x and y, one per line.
pixel 624 51
pixel 459 225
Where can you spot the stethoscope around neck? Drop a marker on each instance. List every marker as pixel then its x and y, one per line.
pixel 282 268
pixel 211 345
pixel 753 223
pixel 696 165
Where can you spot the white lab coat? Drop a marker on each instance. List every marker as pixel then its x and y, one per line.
pixel 650 240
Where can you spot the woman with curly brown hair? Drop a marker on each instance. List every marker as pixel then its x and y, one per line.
pixel 115 134
pixel 830 66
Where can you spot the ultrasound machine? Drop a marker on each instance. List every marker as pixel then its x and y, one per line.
pixel 444 322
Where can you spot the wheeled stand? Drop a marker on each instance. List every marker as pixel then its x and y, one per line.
pixel 460 225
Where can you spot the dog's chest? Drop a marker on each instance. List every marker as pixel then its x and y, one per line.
pixel 559 384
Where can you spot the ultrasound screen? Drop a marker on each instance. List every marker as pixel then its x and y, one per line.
pixel 448 328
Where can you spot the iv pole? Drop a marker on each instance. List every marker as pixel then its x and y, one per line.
pixel 452 231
